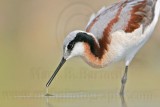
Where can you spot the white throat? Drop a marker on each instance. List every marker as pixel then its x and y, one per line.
pixel 78 50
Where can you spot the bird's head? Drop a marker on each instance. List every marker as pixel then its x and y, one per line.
pixel 74 46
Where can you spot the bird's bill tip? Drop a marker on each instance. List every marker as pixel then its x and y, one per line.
pixel 63 60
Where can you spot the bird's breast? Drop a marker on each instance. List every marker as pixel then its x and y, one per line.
pixel 95 61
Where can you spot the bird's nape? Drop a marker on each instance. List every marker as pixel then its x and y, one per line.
pixel 63 60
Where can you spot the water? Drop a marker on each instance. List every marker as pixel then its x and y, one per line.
pixel 86 99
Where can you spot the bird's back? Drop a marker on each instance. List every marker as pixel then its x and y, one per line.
pixel 127 15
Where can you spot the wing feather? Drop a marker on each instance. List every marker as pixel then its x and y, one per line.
pixel 134 13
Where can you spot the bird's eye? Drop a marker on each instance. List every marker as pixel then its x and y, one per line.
pixel 70 46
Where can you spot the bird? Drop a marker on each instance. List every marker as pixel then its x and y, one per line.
pixel 115 33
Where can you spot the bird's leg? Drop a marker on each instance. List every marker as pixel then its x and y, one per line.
pixel 124 79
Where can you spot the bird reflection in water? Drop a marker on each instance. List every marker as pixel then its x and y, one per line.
pixel 50 96
pixel 123 101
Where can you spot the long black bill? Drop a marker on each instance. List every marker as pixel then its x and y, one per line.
pixel 56 71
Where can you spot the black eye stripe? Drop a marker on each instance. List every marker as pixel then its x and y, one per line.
pixel 70 45
pixel 82 37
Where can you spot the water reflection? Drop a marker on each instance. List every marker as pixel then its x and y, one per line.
pixel 70 99
pixel 49 104
pixel 123 101
pixel 95 99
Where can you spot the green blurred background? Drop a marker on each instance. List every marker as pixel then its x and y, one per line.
pixel 31 37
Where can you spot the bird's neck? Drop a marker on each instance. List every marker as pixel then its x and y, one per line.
pixel 95 51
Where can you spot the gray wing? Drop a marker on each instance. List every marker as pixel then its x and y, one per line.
pixel 126 15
